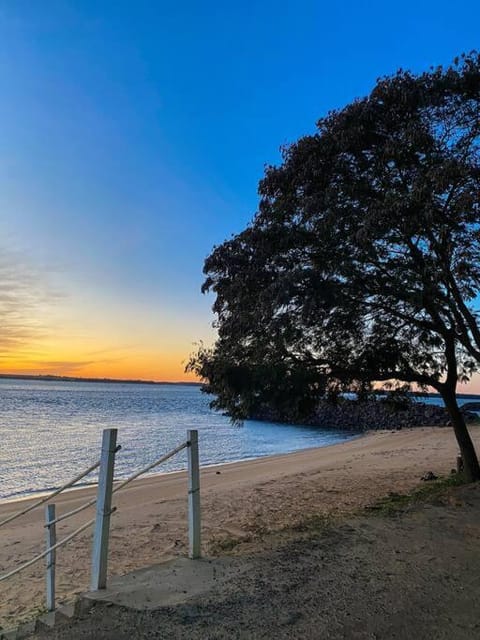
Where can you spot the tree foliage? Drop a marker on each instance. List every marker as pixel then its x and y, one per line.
pixel 362 262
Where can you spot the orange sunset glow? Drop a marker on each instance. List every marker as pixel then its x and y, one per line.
pixel 149 358
pixel 81 332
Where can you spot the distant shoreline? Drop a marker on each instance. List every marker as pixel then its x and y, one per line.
pixel 52 378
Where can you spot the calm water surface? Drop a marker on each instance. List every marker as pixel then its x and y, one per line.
pixel 50 431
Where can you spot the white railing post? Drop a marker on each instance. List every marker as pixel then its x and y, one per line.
pixel 194 540
pixel 51 540
pixel 104 509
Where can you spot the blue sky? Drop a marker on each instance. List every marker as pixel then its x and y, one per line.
pixel 134 136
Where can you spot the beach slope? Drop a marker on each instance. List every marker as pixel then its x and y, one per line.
pixel 240 501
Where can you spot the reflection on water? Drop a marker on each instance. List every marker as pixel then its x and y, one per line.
pixel 52 430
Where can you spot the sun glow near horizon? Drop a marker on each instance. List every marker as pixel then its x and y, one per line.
pixel 90 334
pixel 152 362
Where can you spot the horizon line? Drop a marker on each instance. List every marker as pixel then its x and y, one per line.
pixel 54 377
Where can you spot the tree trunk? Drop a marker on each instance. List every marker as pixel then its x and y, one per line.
pixel 470 460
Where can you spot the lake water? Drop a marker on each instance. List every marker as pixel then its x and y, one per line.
pixel 462 399
pixel 50 431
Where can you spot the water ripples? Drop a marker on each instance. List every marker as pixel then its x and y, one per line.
pixel 50 431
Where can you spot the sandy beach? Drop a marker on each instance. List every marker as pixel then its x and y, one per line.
pixel 240 501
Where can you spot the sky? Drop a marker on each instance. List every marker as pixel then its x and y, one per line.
pixel 132 139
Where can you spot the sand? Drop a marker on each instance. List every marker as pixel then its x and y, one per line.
pixel 239 501
pixel 410 574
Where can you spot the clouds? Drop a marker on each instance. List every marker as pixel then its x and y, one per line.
pixel 43 331
pixel 71 367
pixel 26 296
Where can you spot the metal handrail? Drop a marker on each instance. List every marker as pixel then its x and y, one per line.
pixel 72 512
pixel 84 526
pixel 55 493
pixel 51 495
pixel 47 551
pixel 168 455
pixel 52 548
pixel 120 486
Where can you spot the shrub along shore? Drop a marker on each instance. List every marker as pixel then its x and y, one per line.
pixel 369 415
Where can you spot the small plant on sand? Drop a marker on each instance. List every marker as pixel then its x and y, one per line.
pixel 219 546
pixel 397 502
pixel 311 524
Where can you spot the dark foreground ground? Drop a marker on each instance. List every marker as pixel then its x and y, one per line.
pixel 411 575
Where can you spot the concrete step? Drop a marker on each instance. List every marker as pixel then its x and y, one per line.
pixel 63 615
pixel 46 621
pixel 82 605
pixel 26 629
pixel 166 584
pixel 68 610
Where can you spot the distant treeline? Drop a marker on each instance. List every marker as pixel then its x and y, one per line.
pixel 51 378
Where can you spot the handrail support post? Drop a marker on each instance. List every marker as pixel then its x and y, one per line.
pixel 194 522
pixel 50 558
pixel 104 507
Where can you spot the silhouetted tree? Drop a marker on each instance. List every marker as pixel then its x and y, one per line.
pixel 362 263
